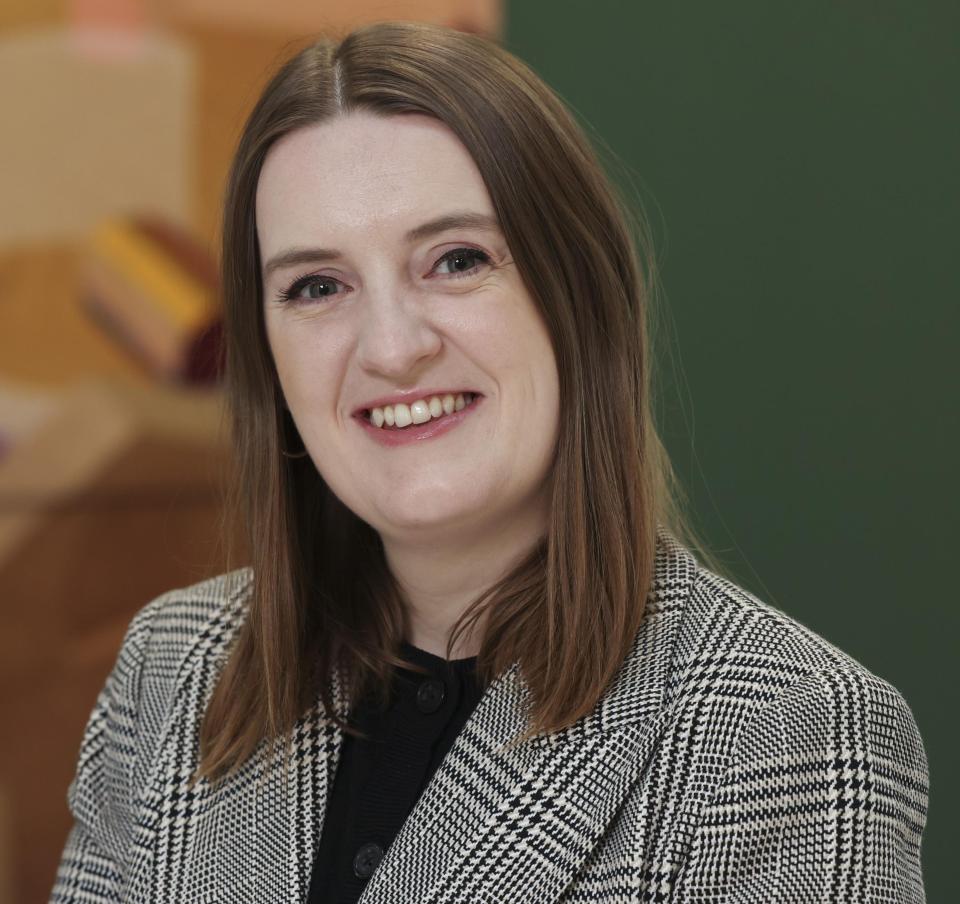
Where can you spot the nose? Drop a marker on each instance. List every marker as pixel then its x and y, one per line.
pixel 395 339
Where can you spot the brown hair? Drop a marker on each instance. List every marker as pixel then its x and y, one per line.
pixel 322 597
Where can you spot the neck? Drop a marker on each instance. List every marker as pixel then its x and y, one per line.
pixel 441 580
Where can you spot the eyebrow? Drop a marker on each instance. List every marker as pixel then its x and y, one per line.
pixel 458 220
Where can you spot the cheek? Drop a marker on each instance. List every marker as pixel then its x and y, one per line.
pixel 544 391
pixel 533 356
pixel 303 369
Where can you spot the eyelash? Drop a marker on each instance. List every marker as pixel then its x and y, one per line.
pixel 291 293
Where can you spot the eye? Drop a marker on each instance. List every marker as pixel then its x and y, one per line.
pixel 312 287
pixel 316 286
pixel 458 257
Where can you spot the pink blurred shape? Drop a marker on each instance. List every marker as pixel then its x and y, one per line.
pixel 108 29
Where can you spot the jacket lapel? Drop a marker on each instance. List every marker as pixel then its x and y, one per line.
pixel 505 821
pixel 317 743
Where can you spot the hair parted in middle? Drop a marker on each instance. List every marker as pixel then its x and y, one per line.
pixel 322 598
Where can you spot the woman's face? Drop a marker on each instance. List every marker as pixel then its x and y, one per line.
pixel 369 298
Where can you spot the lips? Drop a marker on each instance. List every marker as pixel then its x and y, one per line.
pixel 418 433
pixel 406 397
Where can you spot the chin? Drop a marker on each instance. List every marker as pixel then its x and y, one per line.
pixel 431 526
pixel 421 521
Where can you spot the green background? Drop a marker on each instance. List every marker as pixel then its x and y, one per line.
pixel 799 165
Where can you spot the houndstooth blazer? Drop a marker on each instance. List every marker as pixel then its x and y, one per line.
pixel 737 757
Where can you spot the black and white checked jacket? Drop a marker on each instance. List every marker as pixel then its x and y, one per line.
pixel 738 757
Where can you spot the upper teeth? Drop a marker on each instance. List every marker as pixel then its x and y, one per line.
pixel 420 411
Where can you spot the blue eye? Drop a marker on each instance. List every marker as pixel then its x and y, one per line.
pixel 316 285
pixel 464 254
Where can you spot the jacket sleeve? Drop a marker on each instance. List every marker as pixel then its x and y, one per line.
pixel 102 796
pixel 824 799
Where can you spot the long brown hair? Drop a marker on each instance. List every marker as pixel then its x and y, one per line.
pixel 322 597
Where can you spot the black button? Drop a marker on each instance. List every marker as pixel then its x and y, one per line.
pixel 430 695
pixel 366 859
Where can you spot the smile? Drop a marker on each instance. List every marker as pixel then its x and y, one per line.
pixel 423 419
pixel 400 416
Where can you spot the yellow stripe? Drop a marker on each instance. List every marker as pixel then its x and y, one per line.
pixel 179 295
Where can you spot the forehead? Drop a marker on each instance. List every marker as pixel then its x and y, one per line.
pixel 365 173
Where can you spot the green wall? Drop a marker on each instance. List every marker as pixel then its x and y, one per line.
pixel 799 164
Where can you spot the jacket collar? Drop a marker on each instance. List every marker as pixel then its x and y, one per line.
pixel 471 833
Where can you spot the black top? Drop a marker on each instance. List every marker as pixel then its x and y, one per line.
pixel 379 781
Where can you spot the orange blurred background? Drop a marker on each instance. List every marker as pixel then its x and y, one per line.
pixel 120 121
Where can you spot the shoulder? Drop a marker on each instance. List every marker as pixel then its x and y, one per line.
pixel 164 642
pixel 709 631
pixel 717 656
pixel 171 628
pixel 184 619
pixel 169 637
pixel 752 641
pixel 786 744
pixel 763 676
pixel 730 621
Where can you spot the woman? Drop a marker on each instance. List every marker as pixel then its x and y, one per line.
pixel 471 634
